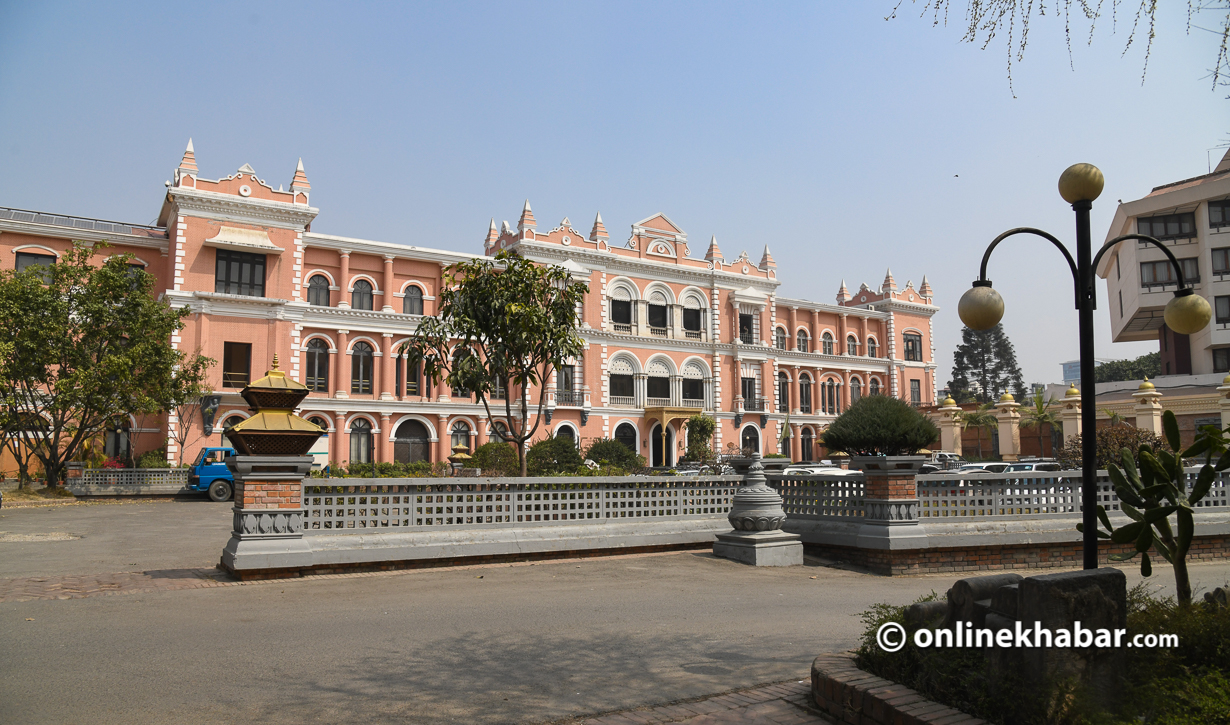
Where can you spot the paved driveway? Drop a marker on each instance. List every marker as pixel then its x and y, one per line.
pixel 484 644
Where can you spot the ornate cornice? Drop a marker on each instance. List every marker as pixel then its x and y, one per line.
pixel 399 251
pixel 227 207
pixel 84 235
pixel 609 261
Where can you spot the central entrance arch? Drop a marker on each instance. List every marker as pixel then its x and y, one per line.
pixel 662 457
pixel 412 443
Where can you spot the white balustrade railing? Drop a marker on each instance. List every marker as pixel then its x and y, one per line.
pixel 132 476
pixel 346 505
pixel 820 496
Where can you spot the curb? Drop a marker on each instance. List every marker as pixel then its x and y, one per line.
pixel 850 695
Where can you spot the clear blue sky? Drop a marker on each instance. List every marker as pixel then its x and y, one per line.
pixel 845 142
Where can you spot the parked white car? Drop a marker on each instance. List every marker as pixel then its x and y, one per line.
pixel 1040 466
pixel 818 469
pixel 970 468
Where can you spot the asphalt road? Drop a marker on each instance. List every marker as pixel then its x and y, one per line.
pixel 524 643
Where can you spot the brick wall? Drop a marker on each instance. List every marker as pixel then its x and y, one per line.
pixel 268 494
pixel 850 695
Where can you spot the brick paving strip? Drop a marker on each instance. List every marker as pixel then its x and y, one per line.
pixel 781 703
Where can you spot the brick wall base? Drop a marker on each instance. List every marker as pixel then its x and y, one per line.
pixel 852 696
pixel 995 558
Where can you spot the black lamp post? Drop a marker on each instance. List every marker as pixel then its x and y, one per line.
pixel 981 308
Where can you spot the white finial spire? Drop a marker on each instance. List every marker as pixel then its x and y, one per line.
pixel 190 146
pixel 297 168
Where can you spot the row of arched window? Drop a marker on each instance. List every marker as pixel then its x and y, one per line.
pixel 362 367
pixel 361 296
pixel 829 395
pixel 803 343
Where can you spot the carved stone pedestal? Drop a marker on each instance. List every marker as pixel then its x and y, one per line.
pixel 757 517
pixel 268 520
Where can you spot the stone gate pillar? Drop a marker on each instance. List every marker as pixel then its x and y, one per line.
pixel 950 426
pixel 1148 408
pixel 757 517
pixel 1223 402
pixel 1009 427
pixel 1070 412
pixel 890 502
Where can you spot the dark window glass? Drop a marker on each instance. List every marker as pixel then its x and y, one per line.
pixel 563 378
pixel 361 441
pixel 320 423
pixel 361 357
pixel 856 390
pixel 1221 360
pixel 779 339
pixel 745 328
pixel 411 443
pixel 240 273
pixel 657 315
pixel 826 344
pixel 1221 260
pixel 26 260
pixel 658 387
pixel 851 345
pixel 871 348
pixel 626 434
pixel 412 303
pixel 748 388
pixel 1168 226
pixel 412 377
pixel 805 395
pixel 916 392
pixel 318 291
pixel 691 320
pixel 621 386
pixel 783 391
pixel 693 389
pixel 806 444
pixel 236 364
pixel 913 347
pixel 460 435
pixel 801 342
pixel 1222 307
pixel 874 387
pixel 317 377
pixel 1219 214
pixel 621 312
pixel 361 298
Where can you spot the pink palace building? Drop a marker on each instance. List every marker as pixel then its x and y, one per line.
pixel 667 335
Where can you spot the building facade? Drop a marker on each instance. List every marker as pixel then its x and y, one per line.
pixel 1192 217
pixel 666 335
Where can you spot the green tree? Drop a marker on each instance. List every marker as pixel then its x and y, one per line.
pixel 984 367
pixel 1040 412
pixel 878 425
pixel 700 434
pixel 1145 366
pixel 504 323
pixel 980 419
pixel 90 343
pixel 554 455
pixel 610 452
pixel 495 457
pixel 1109 442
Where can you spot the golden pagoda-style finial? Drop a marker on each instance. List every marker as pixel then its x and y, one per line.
pixel 275 361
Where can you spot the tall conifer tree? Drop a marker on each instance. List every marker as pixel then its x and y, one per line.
pixel 984 367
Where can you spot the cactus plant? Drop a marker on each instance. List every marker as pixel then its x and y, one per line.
pixel 1157 490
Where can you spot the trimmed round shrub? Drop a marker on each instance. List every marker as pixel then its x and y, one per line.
pixel 552 456
pixel 610 452
pixel 496 457
pixel 878 425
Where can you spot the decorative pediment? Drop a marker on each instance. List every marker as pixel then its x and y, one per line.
pixel 660 222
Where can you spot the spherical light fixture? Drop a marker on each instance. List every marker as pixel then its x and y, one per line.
pixel 1081 182
pixel 981 307
pixel 1187 313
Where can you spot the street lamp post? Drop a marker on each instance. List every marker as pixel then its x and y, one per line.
pixel 981 308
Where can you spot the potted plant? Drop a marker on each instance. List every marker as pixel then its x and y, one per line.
pixel 880 434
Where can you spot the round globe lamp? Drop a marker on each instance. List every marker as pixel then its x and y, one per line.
pixel 981 307
pixel 1081 182
pixel 1187 313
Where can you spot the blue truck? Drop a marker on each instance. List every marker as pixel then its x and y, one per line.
pixel 210 473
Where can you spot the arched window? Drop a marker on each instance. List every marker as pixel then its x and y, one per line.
pixel 116 443
pixel 457 356
pixel 779 338
pixel 828 397
pixel 805 445
pixel 412 303
pixel 229 422
pixel 499 431
pixel 412 373
pixel 320 422
pixel 871 348
pixel 874 387
pixel 856 390
pixel 361 298
pixel 317 376
pixel 361 441
pixel 412 443
pixel 626 434
pixel 460 435
pixel 361 357
pixel 801 341
pixel 318 290
pixel 851 345
pixel 567 432
pixel 783 392
pixel 804 394
pixel 784 447
pixel 750 440
pixel 826 344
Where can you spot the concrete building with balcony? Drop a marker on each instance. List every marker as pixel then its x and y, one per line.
pixel 1192 217
pixel 667 334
